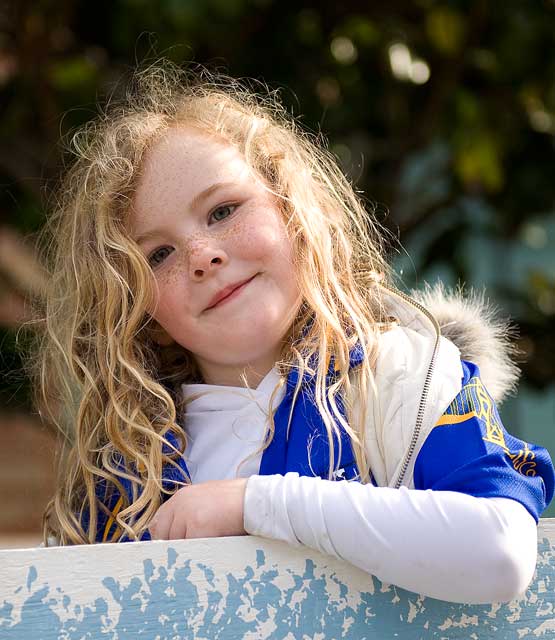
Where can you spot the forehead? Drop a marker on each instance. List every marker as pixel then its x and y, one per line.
pixel 186 150
pixel 184 162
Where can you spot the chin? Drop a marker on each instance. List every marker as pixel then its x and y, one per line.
pixel 248 354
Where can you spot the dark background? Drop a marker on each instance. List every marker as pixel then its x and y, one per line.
pixel 441 112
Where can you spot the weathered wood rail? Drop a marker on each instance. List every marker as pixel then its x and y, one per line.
pixel 249 588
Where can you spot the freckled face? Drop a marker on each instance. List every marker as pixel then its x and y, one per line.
pixel 207 224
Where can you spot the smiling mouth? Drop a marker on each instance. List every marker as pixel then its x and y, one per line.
pixel 232 294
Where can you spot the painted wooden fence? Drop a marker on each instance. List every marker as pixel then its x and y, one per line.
pixel 246 588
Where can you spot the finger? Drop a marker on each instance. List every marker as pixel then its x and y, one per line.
pixel 161 523
pixel 178 527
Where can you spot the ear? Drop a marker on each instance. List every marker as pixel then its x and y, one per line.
pixel 159 335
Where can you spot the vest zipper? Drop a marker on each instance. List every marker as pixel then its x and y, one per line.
pixel 425 390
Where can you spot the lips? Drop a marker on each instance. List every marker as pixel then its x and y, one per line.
pixel 226 292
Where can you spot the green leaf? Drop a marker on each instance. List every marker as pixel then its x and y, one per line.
pixel 446 29
pixel 478 161
pixel 73 73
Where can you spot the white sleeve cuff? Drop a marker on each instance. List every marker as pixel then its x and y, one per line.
pixel 265 509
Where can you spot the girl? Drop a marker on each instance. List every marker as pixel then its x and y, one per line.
pixel 225 354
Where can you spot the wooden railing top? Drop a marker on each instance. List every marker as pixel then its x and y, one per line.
pixel 242 588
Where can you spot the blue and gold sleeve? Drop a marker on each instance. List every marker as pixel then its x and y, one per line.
pixel 173 477
pixel 469 451
pixel 108 530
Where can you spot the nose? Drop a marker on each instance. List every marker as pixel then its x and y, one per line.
pixel 204 260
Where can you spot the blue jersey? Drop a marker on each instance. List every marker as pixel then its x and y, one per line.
pixel 467 451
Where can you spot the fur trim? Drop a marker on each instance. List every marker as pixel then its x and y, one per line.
pixel 474 325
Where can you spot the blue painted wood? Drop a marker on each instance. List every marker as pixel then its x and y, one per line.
pixel 242 588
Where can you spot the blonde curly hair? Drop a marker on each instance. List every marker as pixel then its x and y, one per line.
pixel 102 379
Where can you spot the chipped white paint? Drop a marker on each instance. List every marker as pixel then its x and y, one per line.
pixel 242 587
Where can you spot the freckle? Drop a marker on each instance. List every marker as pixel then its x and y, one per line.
pixel 170 276
pixel 234 231
pixel 230 233
pixel 197 242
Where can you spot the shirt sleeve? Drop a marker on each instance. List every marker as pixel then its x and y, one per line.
pixel 469 451
pixel 109 504
pixel 415 539
pixel 173 477
pixel 107 529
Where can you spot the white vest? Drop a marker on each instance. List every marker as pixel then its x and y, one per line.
pixel 418 374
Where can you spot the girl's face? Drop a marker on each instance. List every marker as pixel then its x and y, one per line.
pixel 221 258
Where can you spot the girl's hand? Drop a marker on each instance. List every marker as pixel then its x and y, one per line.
pixel 205 510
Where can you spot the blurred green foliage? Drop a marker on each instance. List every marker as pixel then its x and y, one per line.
pixel 441 111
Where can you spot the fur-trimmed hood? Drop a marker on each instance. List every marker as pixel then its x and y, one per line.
pixel 481 334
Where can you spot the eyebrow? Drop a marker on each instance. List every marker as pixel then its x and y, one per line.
pixel 203 195
pixel 194 204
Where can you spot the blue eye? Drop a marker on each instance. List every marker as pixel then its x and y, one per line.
pixel 159 255
pixel 221 213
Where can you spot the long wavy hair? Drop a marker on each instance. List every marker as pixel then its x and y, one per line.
pixel 102 378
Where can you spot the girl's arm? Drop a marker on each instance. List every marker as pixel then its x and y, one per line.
pixel 465 533
pixel 443 544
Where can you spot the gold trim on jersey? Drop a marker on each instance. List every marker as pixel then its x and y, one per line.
pixel 474 396
pixel 111 521
pixel 523 461
pixel 453 419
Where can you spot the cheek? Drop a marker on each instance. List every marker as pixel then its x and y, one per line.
pixel 171 291
pixel 265 240
pixel 170 275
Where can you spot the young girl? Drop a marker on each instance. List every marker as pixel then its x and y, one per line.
pixel 226 355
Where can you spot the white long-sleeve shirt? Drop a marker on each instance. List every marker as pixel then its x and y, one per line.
pixel 442 544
